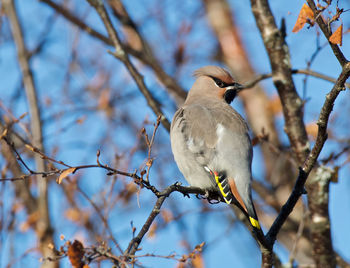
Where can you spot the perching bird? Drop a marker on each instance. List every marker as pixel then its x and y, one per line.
pixel 210 140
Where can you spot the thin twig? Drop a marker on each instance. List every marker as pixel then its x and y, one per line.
pixel 150 145
pixel 144 56
pixel 327 33
pixel 256 80
pixel 99 213
pixel 121 55
pixel 312 157
pixel 43 225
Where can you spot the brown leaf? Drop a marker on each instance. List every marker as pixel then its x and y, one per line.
pixel 81 120
pixel 128 192
pixel 31 220
pixel 75 254
pixel 73 214
pixel 4 133
pixel 335 175
pixel 275 105
pixel 312 130
pixel 197 261
pixel 22 116
pixel 305 15
pixel 167 215
pixel 65 173
pixel 199 247
pixel 337 37
pixel 181 265
pixel 255 141
pixel 152 231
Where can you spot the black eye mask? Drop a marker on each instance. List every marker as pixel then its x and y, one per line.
pixel 230 95
pixel 220 83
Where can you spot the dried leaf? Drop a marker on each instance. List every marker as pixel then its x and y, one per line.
pixel 128 192
pixel 22 116
pixel 149 162
pixel 312 129
pixel 81 120
pixel 179 54
pixel 335 175
pixel 199 247
pixel 255 141
pixel 73 214
pixel 167 215
pixel 31 220
pixel 181 265
pixel 4 133
pixel 275 105
pixel 337 37
pixel 197 261
pixel 65 173
pixel 75 254
pixel 104 102
pixel 305 15
pixel 152 231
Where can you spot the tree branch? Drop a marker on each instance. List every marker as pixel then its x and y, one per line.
pixel 43 226
pixel 327 33
pixel 278 53
pixel 145 55
pixel 121 54
pixel 145 51
pixel 312 157
pixel 292 109
pixel 261 77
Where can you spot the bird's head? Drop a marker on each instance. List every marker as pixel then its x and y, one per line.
pixel 215 82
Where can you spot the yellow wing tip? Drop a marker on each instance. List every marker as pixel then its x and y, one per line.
pixel 220 187
pixel 254 222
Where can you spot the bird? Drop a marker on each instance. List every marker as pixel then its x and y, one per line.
pixel 210 140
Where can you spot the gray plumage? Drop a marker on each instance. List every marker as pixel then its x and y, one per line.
pixel 208 135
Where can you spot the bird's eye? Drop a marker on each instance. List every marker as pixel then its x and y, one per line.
pixel 219 83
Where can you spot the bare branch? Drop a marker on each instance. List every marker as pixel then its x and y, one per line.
pixel 312 157
pixel 43 227
pixel 278 53
pixel 144 56
pixel 327 33
pixel 121 54
pixel 103 219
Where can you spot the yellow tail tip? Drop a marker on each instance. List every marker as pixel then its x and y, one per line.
pixel 254 223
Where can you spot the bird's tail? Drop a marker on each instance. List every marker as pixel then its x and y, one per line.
pixel 257 231
pixel 229 193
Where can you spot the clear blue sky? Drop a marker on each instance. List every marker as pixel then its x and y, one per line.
pixel 226 244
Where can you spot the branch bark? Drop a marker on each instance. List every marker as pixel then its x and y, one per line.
pixel 292 108
pixel 121 54
pixel 304 172
pixel 145 55
pixel 278 170
pixel 327 33
pixel 43 226
pixel 278 53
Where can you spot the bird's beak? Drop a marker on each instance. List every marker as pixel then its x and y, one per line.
pixel 236 87
pixel 231 92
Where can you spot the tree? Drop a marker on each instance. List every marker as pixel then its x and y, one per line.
pixel 87 172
